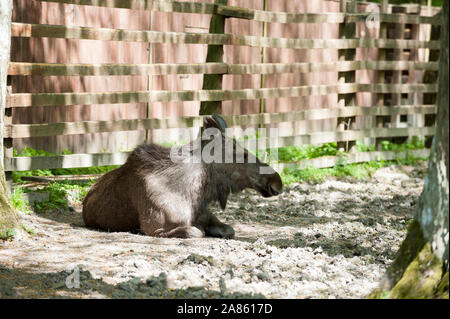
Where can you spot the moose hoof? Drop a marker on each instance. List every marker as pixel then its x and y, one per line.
pixel 160 233
pixel 222 231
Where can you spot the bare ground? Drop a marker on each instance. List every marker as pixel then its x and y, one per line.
pixel 328 240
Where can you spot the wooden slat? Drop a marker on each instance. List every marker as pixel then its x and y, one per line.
pixel 86 127
pixel 396 18
pixel 50 69
pixel 65 161
pixel 348 135
pixel 321 114
pixel 68 32
pixel 244 13
pixel 71 128
pixel 360 157
pixel 41 99
pixel 103 159
pixel 162 6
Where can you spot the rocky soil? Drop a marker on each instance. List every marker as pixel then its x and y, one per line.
pixel 327 240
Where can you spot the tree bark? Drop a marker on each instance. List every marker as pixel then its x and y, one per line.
pixel 420 269
pixel 8 218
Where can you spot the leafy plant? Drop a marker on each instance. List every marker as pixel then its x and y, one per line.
pixel 59 193
pixel 360 171
pixel 7 234
pixel 298 153
pixel 18 201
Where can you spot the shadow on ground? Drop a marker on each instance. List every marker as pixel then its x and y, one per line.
pixel 332 247
pixel 20 283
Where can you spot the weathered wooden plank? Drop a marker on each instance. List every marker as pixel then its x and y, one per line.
pixel 41 99
pixel 348 135
pixel 214 54
pixel 5 50
pixel 162 6
pixel 347 30
pixel 320 114
pixel 104 34
pixel 244 13
pixel 72 128
pixel 65 161
pixel 49 69
pixel 103 159
pixel 360 157
pixel 86 127
pixel 381 98
pixel 395 18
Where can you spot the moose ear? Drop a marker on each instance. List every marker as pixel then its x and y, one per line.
pixel 220 121
pixel 215 121
pixel 209 122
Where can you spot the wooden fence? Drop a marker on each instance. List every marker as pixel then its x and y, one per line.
pixel 381 119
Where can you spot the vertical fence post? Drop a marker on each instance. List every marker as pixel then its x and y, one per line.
pixel 381 97
pixel 347 30
pixel 8 142
pixel 417 120
pixel 5 49
pixel 263 59
pixel 399 33
pixel 430 77
pixel 149 77
pixel 215 54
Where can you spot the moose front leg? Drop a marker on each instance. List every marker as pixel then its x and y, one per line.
pixel 215 228
pixel 180 232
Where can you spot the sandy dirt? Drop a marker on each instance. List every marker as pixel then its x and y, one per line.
pixel 333 239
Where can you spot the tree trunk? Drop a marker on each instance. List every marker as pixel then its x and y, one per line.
pixel 420 269
pixel 8 218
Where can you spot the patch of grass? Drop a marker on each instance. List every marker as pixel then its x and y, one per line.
pixel 298 153
pixel 361 147
pixel 360 171
pixel 29 230
pixel 7 234
pixel 59 193
pixel 415 143
pixel 18 202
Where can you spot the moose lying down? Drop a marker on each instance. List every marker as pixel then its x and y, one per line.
pixel 164 193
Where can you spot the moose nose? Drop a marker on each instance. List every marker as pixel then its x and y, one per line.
pixel 275 187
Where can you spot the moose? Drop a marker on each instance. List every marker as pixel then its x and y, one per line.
pixel 165 193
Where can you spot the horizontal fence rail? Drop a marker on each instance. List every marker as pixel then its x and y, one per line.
pixel 49 69
pixel 249 14
pixel 86 127
pixel 345 88
pixel 67 32
pixel 103 159
pixel 353 158
pixel 48 99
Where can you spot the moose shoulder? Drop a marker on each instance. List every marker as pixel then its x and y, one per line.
pixel 164 193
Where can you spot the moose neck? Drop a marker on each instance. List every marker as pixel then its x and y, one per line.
pixel 217 184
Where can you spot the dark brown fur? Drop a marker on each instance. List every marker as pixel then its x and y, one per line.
pixel 154 195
